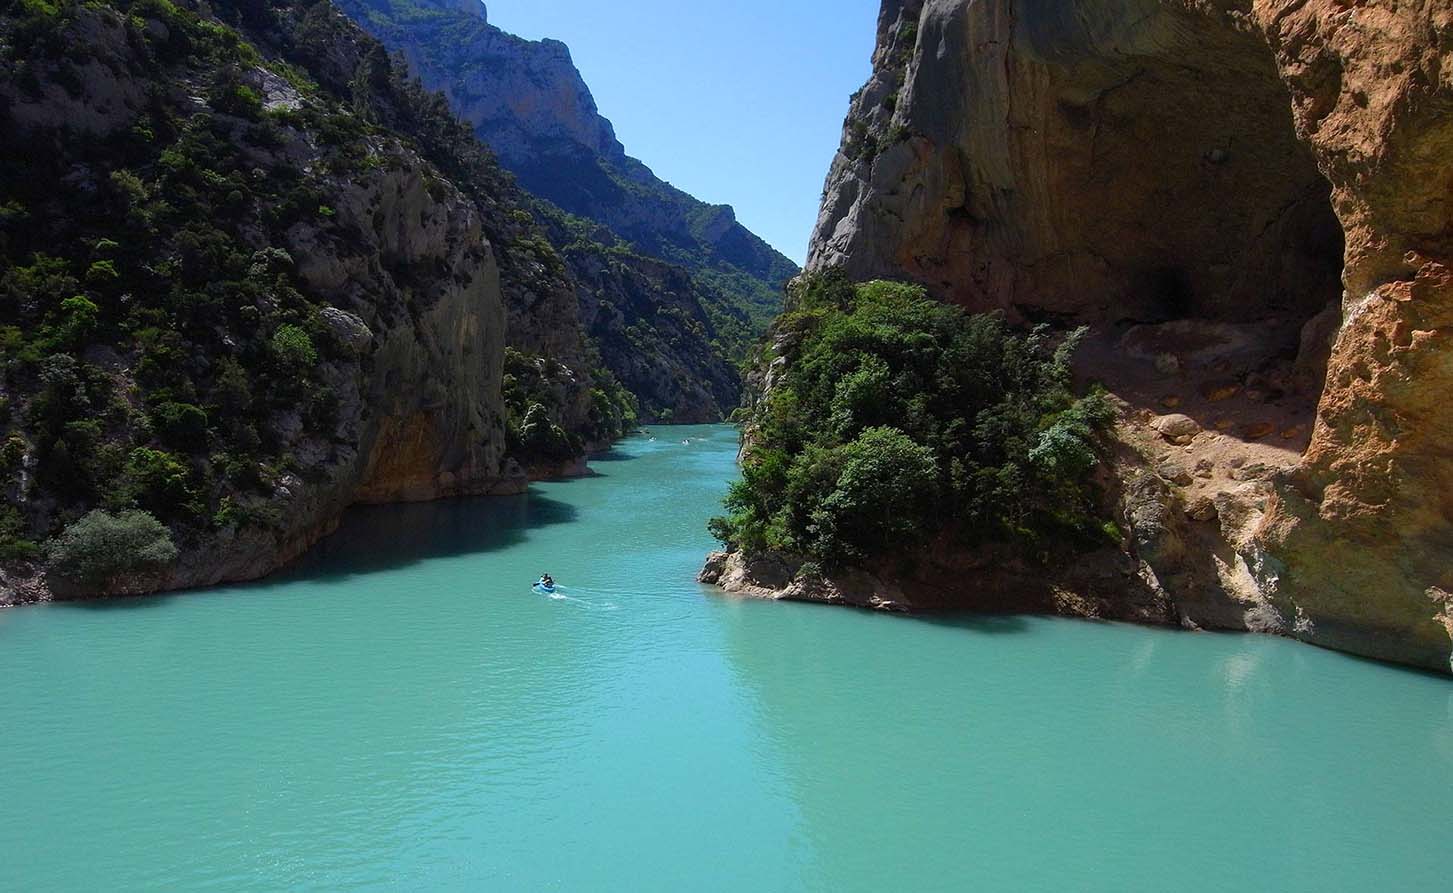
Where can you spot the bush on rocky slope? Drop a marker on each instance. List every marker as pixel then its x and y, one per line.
pixel 138 316
pixel 101 546
pixel 893 419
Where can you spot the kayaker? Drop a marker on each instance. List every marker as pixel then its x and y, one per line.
pixel 547 581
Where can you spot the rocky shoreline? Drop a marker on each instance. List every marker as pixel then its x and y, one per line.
pixel 1104 585
pixel 248 555
pixel 1267 291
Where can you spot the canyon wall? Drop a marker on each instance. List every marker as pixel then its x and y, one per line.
pixel 250 275
pixel 623 228
pixel 530 104
pixel 1251 203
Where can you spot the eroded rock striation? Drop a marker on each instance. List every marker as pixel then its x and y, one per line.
pixel 1252 206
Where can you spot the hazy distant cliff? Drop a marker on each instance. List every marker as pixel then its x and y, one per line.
pixel 529 103
pixel 1250 207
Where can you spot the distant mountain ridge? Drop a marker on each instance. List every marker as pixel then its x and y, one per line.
pixel 527 100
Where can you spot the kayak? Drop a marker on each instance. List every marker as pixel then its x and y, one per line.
pixel 541 587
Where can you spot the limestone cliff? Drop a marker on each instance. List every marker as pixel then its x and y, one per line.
pixel 252 274
pixel 527 100
pixel 1250 203
pixel 657 332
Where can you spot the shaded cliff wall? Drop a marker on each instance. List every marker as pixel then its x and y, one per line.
pixel 542 317
pixel 328 201
pixel 1120 161
pixel 1162 160
pixel 671 338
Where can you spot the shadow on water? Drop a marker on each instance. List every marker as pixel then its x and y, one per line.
pixel 380 538
pixel 1412 671
pixel 612 455
pixel 122 602
pixel 375 538
pixel 1001 624
pixel 982 624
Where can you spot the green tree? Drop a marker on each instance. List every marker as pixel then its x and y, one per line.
pixel 893 419
pixel 293 349
pixel 159 480
pixel 883 496
pixel 15 543
pixel 101 546
pixel 78 319
pixel 542 437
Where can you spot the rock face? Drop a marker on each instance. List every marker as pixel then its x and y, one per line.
pixel 285 295
pixel 527 100
pixel 1126 160
pixel 1282 163
pixel 674 373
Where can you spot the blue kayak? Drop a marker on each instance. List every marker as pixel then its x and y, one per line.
pixel 541 587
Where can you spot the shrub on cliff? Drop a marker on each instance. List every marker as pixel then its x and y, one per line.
pixel 292 349
pixel 14 544
pixel 896 419
pixel 159 480
pixel 101 547
pixel 541 438
pixel 181 424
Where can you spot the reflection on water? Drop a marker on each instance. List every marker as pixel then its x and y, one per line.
pixel 1050 758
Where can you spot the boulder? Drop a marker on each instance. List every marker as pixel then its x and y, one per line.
pixel 1175 473
pixel 1176 428
pixel 1202 508
pixel 348 329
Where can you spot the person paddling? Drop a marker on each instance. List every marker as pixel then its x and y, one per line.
pixel 547 581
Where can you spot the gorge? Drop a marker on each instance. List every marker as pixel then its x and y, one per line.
pixel 255 273
pixel 328 326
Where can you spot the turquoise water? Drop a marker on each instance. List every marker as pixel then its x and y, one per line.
pixel 402 712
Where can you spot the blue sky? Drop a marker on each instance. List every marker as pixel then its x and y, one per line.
pixel 738 102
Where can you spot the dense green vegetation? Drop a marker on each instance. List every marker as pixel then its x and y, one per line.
pixel 897 419
pixel 534 388
pixel 146 338
pixel 727 328
pixel 157 342
pixel 101 546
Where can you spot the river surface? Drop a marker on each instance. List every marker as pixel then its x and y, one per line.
pixel 402 712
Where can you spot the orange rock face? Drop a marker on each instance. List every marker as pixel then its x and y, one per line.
pixel 1287 162
pixel 1361 542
